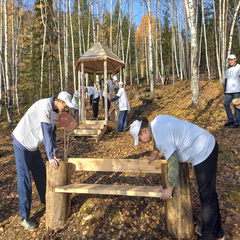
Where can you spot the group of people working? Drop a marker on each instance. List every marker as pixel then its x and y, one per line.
pixel 94 96
pixel 177 140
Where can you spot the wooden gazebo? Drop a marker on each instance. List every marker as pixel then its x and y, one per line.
pixel 98 60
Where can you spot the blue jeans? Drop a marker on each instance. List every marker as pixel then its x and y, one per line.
pixel 122 121
pixel 206 179
pixel 227 101
pixel 27 161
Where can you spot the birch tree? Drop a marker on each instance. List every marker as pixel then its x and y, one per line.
pixel 8 87
pixel 150 50
pixel 66 12
pixel 44 22
pixel 13 54
pixel 59 46
pixel 205 40
pixel 190 9
pixel 73 54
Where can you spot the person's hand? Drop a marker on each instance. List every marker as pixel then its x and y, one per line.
pixel 151 158
pixel 166 193
pixel 55 162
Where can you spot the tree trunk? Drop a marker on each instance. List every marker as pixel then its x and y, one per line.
pixel 178 209
pixel 44 21
pixel 58 205
pixel 8 87
pixel 187 43
pixel 13 54
pixel 205 40
pixel 66 46
pixel 150 50
pixel 73 49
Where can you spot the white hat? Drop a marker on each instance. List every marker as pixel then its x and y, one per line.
pixel 66 97
pixel 121 83
pixel 232 56
pixel 134 131
pixel 114 78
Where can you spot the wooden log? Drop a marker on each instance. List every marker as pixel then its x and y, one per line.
pixel 57 204
pixel 178 209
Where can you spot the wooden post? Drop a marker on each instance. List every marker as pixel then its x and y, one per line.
pixel 83 94
pixel 105 91
pixel 178 209
pixel 57 204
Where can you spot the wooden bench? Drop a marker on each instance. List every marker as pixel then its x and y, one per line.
pixel 178 209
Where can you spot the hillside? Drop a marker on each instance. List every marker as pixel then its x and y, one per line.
pixel 109 217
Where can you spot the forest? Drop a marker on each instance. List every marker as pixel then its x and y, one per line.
pixel 41 41
pixel 176 57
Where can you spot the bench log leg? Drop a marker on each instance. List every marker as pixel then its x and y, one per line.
pixel 178 209
pixel 57 204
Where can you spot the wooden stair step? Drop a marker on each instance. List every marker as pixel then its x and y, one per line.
pixel 91 126
pixel 86 132
pixel 141 191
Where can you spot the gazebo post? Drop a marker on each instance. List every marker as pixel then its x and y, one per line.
pixel 79 100
pixel 95 79
pixel 105 90
pixel 83 93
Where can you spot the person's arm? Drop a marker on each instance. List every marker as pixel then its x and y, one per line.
pixel 173 175
pixel 49 138
pixel 154 156
pixel 115 98
pixel 225 86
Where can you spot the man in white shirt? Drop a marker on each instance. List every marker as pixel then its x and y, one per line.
pixel 37 126
pixel 94 100
pixel 232 90
pixel 123 107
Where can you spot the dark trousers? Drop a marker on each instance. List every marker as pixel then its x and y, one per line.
pixel 122 121
pixel 206 179
pixel 27 161
pixel 95 107
pixel 108 103
pixel 73 112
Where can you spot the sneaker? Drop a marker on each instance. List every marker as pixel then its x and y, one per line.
pixel 199 231
pixel 236 126
pixel 28 223
pixel 228 124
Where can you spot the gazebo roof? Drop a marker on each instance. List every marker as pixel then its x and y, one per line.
pixel 94 59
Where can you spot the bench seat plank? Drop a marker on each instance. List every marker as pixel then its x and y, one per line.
pixel 116 165
pixel 141 191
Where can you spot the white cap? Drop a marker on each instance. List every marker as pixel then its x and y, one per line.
pixel 232 56
pixel 134 131
pixel 121 83
pixel 66 97
pixel 114 78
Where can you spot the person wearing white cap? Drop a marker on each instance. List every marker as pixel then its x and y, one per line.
pixel 181 141
pixel 123 107
pixel 37 126
pixel 232 91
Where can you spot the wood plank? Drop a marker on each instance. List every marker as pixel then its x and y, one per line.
pixel 116 165
pixel 141 191
pixel 101 134
pixel 94 122
pixel 90 126
pixel 113 124
pixel 87 131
